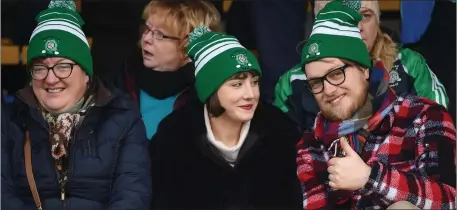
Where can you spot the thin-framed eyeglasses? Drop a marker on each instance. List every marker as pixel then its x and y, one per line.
pixel 334 77
pixel 60 70
pixel 156 33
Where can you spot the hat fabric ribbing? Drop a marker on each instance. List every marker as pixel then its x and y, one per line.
pixel 335 34
pixel 217 57
pixel 372 5
pixel 59 34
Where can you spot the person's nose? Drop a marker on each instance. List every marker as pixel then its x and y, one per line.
pixel 328 88
pixel 248 93
pixel 360 26
pixel 51 78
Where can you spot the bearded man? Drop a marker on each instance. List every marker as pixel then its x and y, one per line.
pixel 370 148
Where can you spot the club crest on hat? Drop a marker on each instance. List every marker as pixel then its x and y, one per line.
pixel 313 50
pixel 50 46
pixel 242 61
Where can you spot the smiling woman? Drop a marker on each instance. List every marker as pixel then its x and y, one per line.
pixel 229 93
pixel 237 153
pixel 58 83
pixel 90 140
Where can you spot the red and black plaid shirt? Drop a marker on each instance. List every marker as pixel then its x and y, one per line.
pixel 412 156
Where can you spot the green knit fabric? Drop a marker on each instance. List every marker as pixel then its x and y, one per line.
pixel 335 34
pixel 217 57
pixel 353 4
pixel 59 34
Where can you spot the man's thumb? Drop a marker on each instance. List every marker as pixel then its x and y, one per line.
pixel 347 149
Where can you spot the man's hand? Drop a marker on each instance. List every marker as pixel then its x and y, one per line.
pixel 348 173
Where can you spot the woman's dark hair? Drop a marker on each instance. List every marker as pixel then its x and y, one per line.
pixel 92 87
pixel 213 104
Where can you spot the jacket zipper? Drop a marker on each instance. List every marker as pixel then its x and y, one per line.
pixel 70 163
pixel 63 206
pixel 114 166
pixel 62 190
pixel 89 145
pixel 62 195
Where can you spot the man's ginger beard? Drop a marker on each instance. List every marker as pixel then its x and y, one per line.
pixel 345 112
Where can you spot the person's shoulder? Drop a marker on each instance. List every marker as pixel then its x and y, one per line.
pixel 271 119
pixel 411 100
pixel 183 118
pixel 122 100
pixel 267 110
pixel 119 107
pixel 414 107
pixel 409 56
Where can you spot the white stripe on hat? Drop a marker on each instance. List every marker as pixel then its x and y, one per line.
pixel 202 49
pixel 62 28
pixel 59 13
pixel 334 20
pixel 58 19
pixel 196 44
pixel 330 12
pixel 211 49
pixel 336 27
pixel 64 23
pixel 334 32
pixel 214 54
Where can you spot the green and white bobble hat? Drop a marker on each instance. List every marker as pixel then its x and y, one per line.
pixel 335 34
pixel 217 57
pixel 59 34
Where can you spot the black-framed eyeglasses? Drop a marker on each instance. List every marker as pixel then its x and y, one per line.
pixel 156 33
pixel 60 70
pixel 334 77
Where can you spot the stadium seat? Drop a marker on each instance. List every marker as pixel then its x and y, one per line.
pixel 389 5
pixel 10 55
pixel 24 54
pixel 7 41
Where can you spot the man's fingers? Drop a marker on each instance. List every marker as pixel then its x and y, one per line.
pixel 333 161
pixel 331 170
pixel 332 178
pixel 333 185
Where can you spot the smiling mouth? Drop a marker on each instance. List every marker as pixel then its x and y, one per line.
pixel 337 99
pixel 54 90
pixel 246 107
